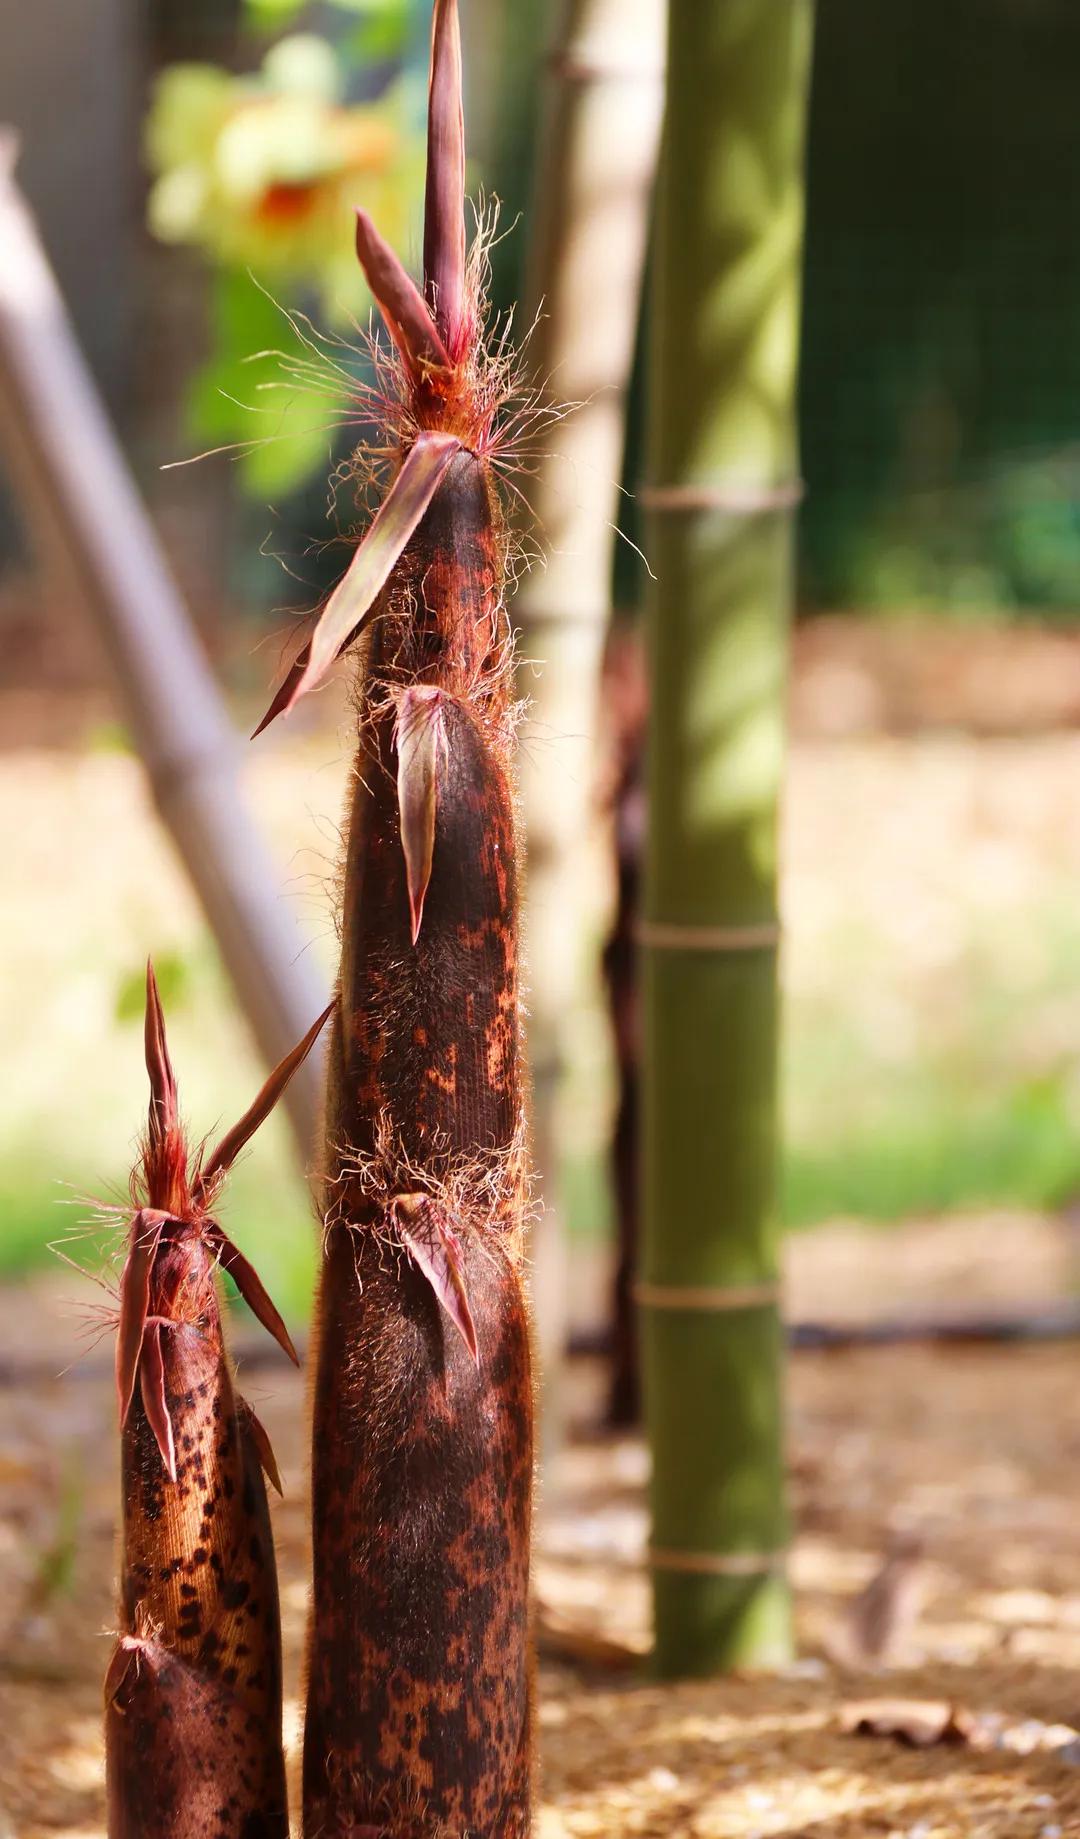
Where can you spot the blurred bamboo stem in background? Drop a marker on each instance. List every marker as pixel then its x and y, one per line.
pixel 78 492
pixel 588 225
pixel 504 48
pixel 723 465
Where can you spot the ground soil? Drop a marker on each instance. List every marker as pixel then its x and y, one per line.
pixel 975 1449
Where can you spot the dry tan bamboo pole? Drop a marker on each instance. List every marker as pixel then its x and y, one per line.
pixel 588 225
pixel 83 501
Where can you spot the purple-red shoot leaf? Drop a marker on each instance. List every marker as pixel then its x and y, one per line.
pixel 263 1447
pixel 353 600
pixel 444 199
pixel 436 1252
pixel 286 695
pixel 400 301
pixel 135 1302
pixel 152 1376
pixel 125 1656
pixel 420 739
pixel 163 1105
pixel 222 1158
pixel 251 1287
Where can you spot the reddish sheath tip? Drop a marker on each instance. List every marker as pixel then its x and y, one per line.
pixel 287 692
pixel 401 303
pixel 223 1157
pixel 164 1111
pixel 444 200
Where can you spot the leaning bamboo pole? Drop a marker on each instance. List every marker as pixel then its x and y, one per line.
pixel 419 1676
pixel 723 462
pixel 83 501
pixel 591 200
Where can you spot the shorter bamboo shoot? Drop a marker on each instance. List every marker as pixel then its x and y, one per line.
pixel 193 1689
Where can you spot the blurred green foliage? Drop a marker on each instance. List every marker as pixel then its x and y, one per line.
pixel 173 972
pixel 261 172
pixel 940 393
pixel 55 1569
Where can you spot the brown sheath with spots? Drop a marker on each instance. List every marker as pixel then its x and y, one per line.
pixel 419 1684
pixel 193 1702
pixel 193 1690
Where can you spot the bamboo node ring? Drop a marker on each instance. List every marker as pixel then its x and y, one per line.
pixel 668 935
pixel 718 1564
pixel 735 495
pixel 588 64
pixel 714 1298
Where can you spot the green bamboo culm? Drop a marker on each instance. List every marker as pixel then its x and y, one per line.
pixel 723 488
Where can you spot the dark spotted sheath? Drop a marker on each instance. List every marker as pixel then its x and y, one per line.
pixel 193 1689
pixel 418 1710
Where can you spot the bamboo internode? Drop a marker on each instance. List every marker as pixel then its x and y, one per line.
pixel 724 484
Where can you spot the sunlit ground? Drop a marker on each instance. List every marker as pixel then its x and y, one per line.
pixel 973 1447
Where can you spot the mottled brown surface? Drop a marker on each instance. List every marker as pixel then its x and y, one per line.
pixel 193 1696
pixel 180 1755
pixel 418 1699
pixel 443 620
pixel 418 1682
pixel 428 1034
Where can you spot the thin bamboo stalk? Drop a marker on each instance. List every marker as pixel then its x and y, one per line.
pixel 591 199
pixel 83 501
pixel 723 462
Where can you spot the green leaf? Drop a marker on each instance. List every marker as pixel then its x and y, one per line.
pixel 382 39
pixel 268 15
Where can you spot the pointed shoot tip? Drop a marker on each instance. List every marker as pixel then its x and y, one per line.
pixel 400 302
pixel 444 200
pixel 288 691
pixel 223 1157
pixel 163 1115
pixel 252 1289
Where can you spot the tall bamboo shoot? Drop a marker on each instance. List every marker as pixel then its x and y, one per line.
pixel 418 1709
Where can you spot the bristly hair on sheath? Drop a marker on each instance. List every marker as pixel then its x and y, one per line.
pixel 444 388
pixel 174 1242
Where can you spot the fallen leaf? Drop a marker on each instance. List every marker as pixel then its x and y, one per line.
pixel 557 1638
pixel 918 1723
